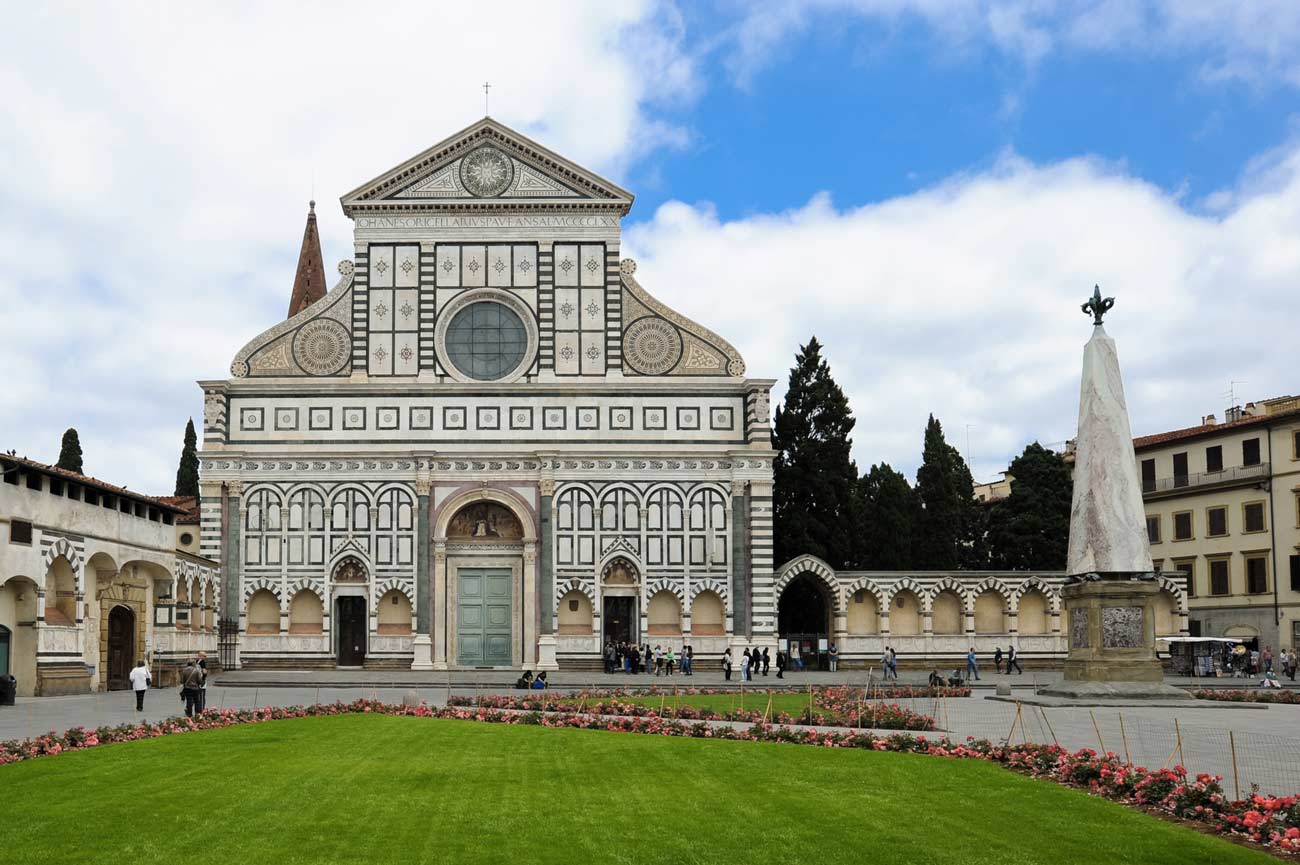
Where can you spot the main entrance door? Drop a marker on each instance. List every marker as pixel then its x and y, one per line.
pixel 483 637
pixel 121 647
pixel 351 619
pixel 620 620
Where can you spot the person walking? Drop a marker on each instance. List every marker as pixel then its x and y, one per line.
pixel 745 662
pixel 659 660
pixel 1013 660
pixel 726 665
pixel 893 663
pixel 140 679
pixel 997 659
pixel 972 665
pixel 780 664
pixel 767 661
pixel 835 658
pixel 191 684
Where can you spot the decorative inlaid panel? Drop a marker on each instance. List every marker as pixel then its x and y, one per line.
pixel 1121 628
pixel 1079 628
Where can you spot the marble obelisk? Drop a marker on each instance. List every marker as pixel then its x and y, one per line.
pixel 1111 592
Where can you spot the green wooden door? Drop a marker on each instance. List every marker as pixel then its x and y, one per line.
pixel 483 637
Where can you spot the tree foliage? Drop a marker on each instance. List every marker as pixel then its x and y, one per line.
pixel 889 512
pixel 187 473
pixel 950 526
pixel 1030 529
pixel 70 452
pixel 815 506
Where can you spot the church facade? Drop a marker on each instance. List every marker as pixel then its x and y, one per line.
pixel 486 445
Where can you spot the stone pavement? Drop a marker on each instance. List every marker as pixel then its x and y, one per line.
pixel 1267 741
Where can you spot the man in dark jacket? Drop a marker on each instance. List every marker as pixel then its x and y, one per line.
pixel 767 661
pixel 191 686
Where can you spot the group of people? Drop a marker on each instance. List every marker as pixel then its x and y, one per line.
pixel 1248 663
pixel 529 682
pixel 1011 659
pixel 632 658
pixel 194 684
pixel 752 663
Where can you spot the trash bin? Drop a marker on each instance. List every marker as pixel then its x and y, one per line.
pixel 8 690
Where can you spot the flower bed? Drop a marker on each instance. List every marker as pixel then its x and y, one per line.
pixel 1269 820
pixel 1270 695
pixel 876 716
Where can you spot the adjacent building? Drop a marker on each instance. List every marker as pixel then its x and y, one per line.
pixel 1223 506
pixel 94 577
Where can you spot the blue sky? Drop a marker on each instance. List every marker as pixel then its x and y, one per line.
pixel 930 186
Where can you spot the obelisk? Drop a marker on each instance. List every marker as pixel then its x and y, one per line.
pixel 1110 591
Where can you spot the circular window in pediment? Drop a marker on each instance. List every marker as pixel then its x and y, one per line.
pixel 486 340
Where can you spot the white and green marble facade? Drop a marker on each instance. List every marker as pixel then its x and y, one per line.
pixel 625 432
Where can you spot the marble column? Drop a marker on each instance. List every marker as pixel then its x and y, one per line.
pixel 231 553
pixel 423 642
pixel 547 645
pixel 438 629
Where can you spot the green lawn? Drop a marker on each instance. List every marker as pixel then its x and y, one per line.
pixel 377 789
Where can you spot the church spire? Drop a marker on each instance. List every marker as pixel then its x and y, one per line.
pixel 309 282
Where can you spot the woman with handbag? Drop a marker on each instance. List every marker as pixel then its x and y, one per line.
pixel 140 680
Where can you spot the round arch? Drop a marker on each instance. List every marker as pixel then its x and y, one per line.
pixel 805 606
pixel 465 497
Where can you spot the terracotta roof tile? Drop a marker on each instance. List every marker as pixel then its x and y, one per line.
pixel 189 504
pixel 1206 429
pixel 87 480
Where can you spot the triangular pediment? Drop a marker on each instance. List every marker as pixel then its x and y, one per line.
pixel 487 165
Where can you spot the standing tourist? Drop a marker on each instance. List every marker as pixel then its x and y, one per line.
pixel 972 665
pixel 609 657
pixel 669 660
pixel 726 665
pixel 767 661
pixel 1013 660
pixel 191 684
pixel 647 659
pixel 835 658
pixel 780 664
pixel 884 662
pixel 755 661
pixel 745 662
pixel 140 679
pixel 893 663
pixel 1267 658
pixel 203 685
pixel 688 661
pixel 997 659
pixel 659 660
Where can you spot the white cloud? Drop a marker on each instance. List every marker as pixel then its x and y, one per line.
pixel 157 161
pixel 963 299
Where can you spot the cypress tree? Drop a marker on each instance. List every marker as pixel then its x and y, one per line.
pixel 950 531
pixel 1030 529
pixel 815 508
pixel 889 513
pixel 70 452
pixel 187 474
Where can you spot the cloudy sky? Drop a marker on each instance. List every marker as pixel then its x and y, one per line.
pixel 931 187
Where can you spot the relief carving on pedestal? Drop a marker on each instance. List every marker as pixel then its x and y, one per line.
pixel 1079 628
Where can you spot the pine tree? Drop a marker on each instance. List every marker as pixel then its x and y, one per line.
pixel 187 474
pixel 70 452
pixel 950 531
pixel 889 513
pixel 1030 529
pixel 815 506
